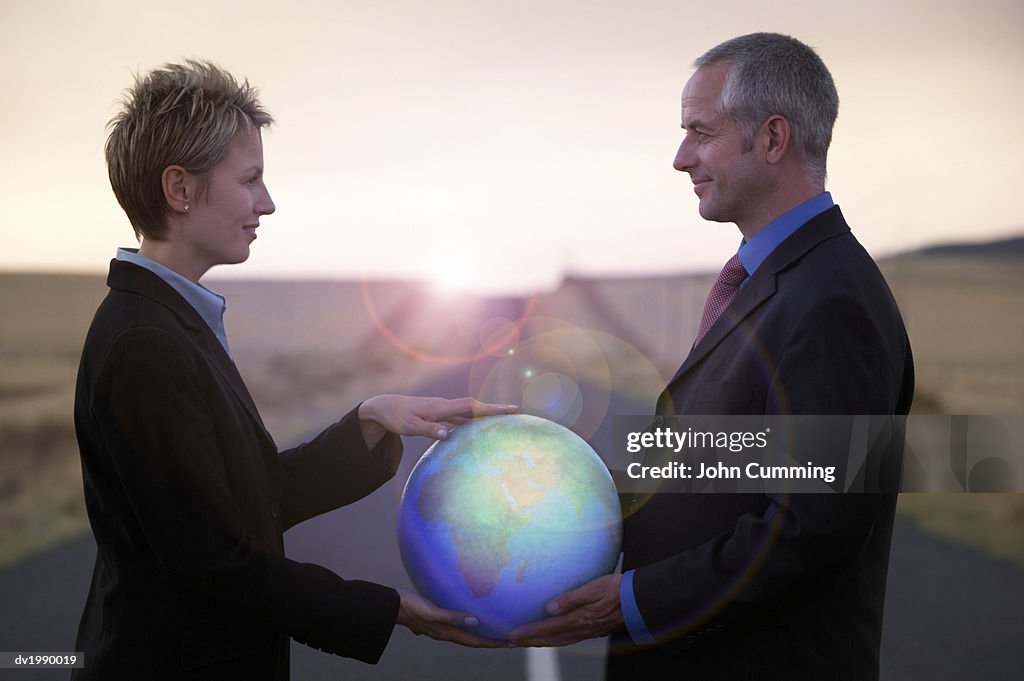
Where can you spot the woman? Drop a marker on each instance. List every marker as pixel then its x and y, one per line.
pixel 186 491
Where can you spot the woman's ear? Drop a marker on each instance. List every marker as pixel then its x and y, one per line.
pixel 179 188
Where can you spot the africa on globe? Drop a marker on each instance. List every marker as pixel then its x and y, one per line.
pixel 505 514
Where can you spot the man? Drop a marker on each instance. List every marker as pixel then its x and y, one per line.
pixel 743 586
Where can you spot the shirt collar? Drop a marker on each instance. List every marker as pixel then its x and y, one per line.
pixel 209 305
pixel 754 252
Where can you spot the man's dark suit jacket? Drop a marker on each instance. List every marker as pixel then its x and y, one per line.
pixel 749 586
pixel 188 497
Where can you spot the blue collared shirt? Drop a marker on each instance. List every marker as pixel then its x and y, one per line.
pixel 752 254
pixel 209 305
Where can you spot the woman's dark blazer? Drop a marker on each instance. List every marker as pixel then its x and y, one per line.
pixel 188 497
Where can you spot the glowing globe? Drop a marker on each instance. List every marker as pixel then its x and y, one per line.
pixel 506 513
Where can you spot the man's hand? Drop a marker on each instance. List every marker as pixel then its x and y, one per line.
pixel 590 611
pixel 423 617
pixel 427 416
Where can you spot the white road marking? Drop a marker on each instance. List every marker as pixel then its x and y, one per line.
pixel 542 664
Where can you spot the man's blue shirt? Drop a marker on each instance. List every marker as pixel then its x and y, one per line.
pixel 754 252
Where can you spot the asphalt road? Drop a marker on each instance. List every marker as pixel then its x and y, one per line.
pixel 952 613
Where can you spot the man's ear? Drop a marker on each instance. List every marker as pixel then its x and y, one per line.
pixel 179 187
pixel 779 135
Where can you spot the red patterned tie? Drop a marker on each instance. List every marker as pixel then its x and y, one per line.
pixel 722 293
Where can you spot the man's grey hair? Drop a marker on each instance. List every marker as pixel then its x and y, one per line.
pixel 772 74
pixel 180 114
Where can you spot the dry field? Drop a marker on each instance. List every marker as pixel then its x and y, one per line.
pixel 311 350
pixel 965 321
pixel 45 318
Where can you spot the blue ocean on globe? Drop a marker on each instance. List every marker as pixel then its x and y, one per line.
pixel 506 513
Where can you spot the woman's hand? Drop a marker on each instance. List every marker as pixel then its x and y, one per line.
pixel 427 416
pixel 423 617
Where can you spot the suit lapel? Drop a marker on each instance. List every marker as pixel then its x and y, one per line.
pixel 758 289
pixel 219 358
pixel 762 284
pixel 125 276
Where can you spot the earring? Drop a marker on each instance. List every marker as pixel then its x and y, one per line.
pixel 186 207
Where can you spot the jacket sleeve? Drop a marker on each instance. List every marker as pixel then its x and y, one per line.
pixel 163 420
pixel 335 469
pixel 835 362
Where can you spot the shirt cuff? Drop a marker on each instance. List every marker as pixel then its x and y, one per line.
pixel 635 624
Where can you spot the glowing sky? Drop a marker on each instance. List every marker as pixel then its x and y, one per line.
pixel 506 143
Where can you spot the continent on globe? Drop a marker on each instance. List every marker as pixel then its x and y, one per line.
pixel 506 513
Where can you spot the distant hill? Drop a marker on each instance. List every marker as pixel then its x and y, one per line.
pixel 1003 248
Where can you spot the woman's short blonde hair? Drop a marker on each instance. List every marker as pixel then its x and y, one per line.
pixel 179 114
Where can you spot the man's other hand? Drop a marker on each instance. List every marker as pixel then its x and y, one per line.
pixel 590 611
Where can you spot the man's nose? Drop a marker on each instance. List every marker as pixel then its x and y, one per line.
pixel 684 157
